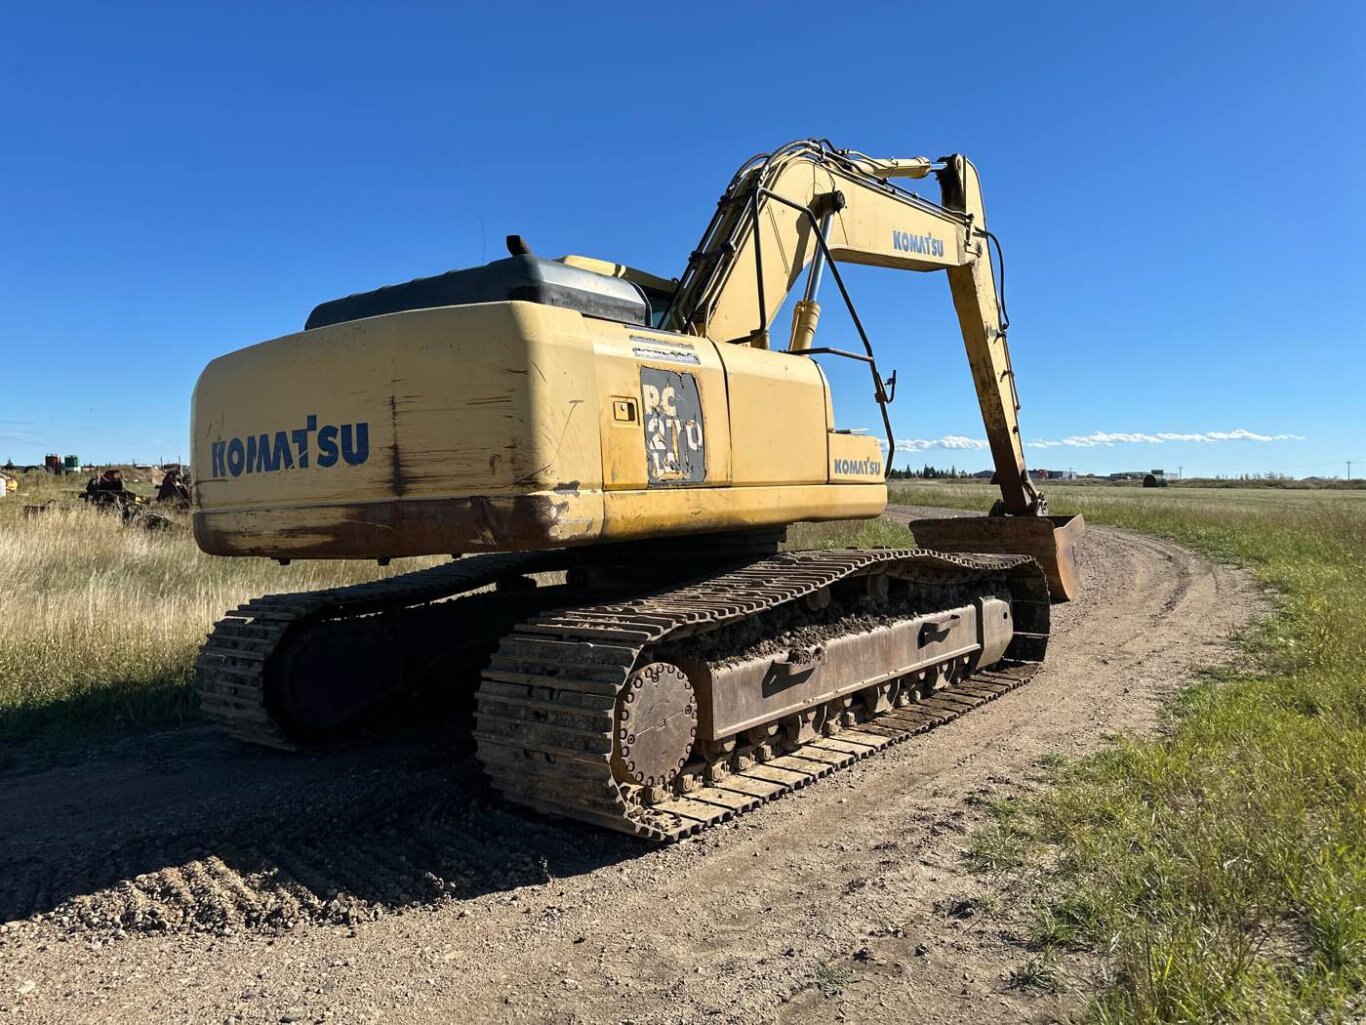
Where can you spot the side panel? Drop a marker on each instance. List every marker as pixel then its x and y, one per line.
pixel 855 459
pixel 631 515
pixel 506 427
pixel 737 695
pixel 634 366
pixel 778 419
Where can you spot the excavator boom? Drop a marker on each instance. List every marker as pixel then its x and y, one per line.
pixel 790 212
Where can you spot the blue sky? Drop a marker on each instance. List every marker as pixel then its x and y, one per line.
pixel 1177 187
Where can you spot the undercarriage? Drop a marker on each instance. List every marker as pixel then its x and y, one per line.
pixel 654 689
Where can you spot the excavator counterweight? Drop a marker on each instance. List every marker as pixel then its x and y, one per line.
pixel 647 441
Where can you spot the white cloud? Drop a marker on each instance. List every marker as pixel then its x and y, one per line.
pixel 948 441
pixel 1107 438
pixel 957 442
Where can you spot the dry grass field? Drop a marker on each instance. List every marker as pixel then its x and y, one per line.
pixel 99 622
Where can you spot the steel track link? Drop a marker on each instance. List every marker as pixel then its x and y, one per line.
pixel 545 706
pixel 231 668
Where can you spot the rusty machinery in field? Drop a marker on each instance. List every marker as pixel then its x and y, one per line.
pixel 651 439
pixel 107 491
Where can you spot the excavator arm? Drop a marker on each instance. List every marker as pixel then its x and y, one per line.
pixel 982 322
pixel 793 212
pixel 764 238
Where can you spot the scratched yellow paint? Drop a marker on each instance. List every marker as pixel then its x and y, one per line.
pixel 505 426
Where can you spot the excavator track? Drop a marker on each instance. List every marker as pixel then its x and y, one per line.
pixel 547 705
pixel 547 700
pixel 231 671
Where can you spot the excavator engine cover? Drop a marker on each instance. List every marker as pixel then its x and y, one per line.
pixel 524 278
pixel 1049 539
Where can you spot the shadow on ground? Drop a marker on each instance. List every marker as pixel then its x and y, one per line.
pixel 115 706
pixel 191 830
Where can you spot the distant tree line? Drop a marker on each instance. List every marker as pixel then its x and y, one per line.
pixel 927 472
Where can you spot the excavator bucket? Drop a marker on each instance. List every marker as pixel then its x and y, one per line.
pixel 1049 539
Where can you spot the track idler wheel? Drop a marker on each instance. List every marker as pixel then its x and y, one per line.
pixel 656 726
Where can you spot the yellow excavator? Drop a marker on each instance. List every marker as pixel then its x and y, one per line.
pixel 613 459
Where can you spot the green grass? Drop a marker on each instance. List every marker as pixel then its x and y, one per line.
pixel 848 533
pixel 1219 871
pixel 1038 974
pixel 831 979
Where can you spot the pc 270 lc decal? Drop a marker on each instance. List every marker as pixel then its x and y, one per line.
pixel 675 448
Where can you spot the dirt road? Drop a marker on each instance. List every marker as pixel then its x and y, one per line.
pixel 186 878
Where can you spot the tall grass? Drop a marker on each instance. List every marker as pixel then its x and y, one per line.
pixel 878 533
pixel 99 623
pixel 1220 870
